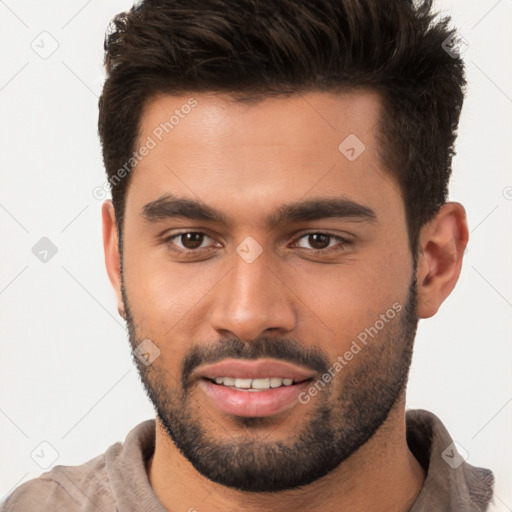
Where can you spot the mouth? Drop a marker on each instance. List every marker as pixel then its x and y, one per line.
pixel 253 384
pixel 253 388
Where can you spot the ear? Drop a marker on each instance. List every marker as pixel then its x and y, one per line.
pixel 441 249
pixel 111 247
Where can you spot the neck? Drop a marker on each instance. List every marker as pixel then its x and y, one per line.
pixel 382 475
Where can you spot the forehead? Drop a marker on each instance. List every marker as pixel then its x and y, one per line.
pixel 230 154
pixel 301 121
pixel 318 111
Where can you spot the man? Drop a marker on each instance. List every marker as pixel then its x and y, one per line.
pixel 279 224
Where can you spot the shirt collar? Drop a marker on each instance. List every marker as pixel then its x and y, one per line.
pixel 450 484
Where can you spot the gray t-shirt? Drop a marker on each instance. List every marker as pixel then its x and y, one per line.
pixel 117 480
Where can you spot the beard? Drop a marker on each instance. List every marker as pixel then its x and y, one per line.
pixel 347 412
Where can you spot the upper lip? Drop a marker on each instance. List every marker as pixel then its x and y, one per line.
pixel 255 369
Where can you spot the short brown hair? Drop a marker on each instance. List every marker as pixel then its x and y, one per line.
pixel 262 48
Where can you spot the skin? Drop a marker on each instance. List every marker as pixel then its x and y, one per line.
pixel 246 161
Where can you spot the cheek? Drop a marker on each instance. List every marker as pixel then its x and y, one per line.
pixel 342 301
pixel 165 296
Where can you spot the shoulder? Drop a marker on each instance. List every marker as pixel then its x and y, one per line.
pixel 64 488
pixel 111 481
pixel 40 494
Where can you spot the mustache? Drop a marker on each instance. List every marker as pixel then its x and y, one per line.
pixel 287 350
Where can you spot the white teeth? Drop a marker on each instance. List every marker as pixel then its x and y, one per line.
pixel 260 383
pixel 254 384
pixel 243 383
pixel 276 382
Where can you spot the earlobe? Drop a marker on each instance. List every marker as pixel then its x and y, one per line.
pixel 442 244
pixel 121 310
pixel 111 248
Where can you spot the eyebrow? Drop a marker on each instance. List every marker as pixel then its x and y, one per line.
pixel 170 206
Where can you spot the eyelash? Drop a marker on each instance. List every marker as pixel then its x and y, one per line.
pixel 169 240
pixel 343 242
pixel 340 246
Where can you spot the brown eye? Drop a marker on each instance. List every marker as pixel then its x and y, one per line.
pixel 324 242
pixel 191 244
pixel 191 240
pixel 188 241
pixel 319 240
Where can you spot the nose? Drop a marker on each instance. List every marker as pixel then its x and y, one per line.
pixel 251 300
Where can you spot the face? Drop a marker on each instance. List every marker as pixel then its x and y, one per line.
pixel 270 269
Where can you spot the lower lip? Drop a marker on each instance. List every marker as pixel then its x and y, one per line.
pixel 254 404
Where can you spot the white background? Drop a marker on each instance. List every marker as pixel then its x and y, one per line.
pixel 66 372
